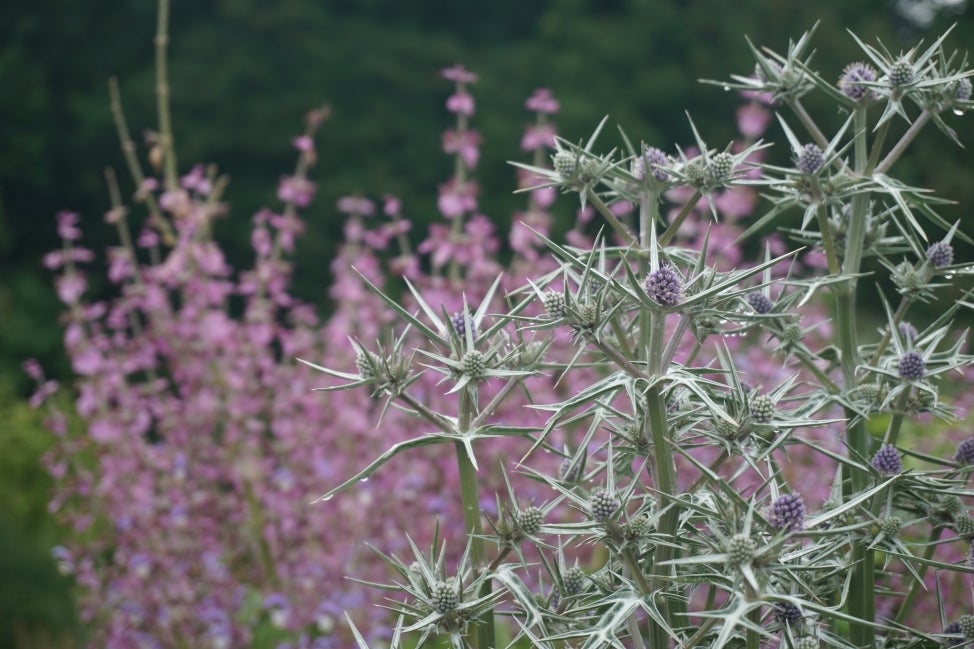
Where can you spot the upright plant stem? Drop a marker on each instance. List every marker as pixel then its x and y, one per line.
pixel 862 589
pixel 470 501
pixel 166 140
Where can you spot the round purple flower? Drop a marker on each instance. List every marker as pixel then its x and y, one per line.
pixel 887 460
pixel 655 160
pixel 663 286
pixel 912 366
pixel 907 330
pixel 787 512
pixel 940 254
pixel 963 89
pixel 759 302
pixel 965 452
pixel 787 613
pixel 851 81
pixel 809 159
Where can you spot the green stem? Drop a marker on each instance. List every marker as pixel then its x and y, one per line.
pixel 862 586
pixel 674 225
pixel 828 244
pixel 620 229
pixel 878 145
pixel 166 140
pixel 896 420
pixel 809 124
pixel 470 501
pixel 257 524
pixel 753 638
pixel 127 145
pixel 905 303
pixel 665 474
pixel 904 142
pixel 907 606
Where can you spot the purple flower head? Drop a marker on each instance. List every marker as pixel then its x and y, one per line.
pixel 965 452
pixel 963 91
pixel 787 512
pixel 459 321
pixel 851 81
pixel 787 613
pixel 809 159
pixel 887 460
pixel 940 254
pixel 912 366
pixel 759 302
pixel 655 160
pixel 907 330
pixel 663 286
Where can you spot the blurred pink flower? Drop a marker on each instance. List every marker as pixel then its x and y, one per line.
pixel 542 101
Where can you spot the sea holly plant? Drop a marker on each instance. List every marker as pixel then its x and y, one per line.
pixel 629 434
pixel 678 453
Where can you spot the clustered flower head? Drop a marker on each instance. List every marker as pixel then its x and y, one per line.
pixel 573 580
pixel 809 159
pixel 762 409
pixel 603 504
pixel 740 549
pixel 759 302
pixel 554 304
pixel 851 81
pixel 940 254
pixel 900 73
pixel 445 597
pixel 459 320
pixel 912 366
pixel 787 512
pixel 530 519
pixel 965 452
pixel 663 286
pixel 787 613
pixel 887 460
pixel 963 91
pixel 655 160
pixel 721 166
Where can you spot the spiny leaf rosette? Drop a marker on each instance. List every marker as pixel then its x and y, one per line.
pixel 632 377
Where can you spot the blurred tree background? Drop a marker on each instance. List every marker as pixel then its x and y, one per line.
pixel 243 73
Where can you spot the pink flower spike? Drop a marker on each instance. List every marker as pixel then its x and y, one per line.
pixel 465 143
pixel 461 102
pixel 542 101
pixel 303 143
pixel 391 205
pixel 33 369
pixel 458 74
pixel 356 205
pixel 538 136
pixel 297 190
pixel 752 120
pixel 70 288
pixel 67 225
